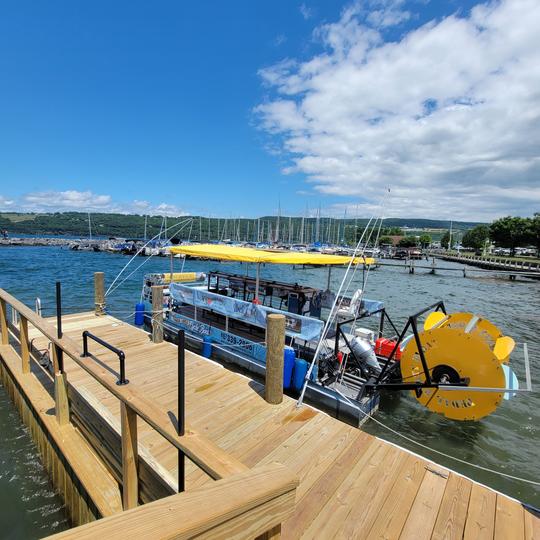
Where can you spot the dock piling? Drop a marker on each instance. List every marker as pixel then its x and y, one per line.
pixel 157 313
pixel 275 342
pixel 99 293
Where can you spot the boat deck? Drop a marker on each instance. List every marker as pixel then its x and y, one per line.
pixel 352 485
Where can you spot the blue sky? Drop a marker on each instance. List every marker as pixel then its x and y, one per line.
pixel 187 107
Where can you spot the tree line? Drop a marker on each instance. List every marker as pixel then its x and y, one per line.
pixel 508 232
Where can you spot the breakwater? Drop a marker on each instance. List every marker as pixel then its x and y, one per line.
pixel 110 245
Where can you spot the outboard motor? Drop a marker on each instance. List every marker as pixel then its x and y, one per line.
pixel 364 353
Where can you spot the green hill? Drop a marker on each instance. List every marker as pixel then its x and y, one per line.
pixel 202 228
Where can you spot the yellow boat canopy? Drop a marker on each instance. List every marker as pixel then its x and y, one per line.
pixel 243 254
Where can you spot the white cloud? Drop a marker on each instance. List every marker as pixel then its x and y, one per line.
pixel 306 11
pixel 448 116
pixel 145 207
pixel 70 199
pixel 85 201
pixel 280 40
pixel 5 203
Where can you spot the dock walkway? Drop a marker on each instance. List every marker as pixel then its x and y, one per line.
pixel 352 485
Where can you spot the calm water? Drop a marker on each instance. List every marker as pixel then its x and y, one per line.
pixel 29 508
pixel 507 440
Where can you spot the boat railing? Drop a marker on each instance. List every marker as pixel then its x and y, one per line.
pixel 209 457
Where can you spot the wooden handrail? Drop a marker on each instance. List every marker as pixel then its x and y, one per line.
pixel 208 456
pixel 243 506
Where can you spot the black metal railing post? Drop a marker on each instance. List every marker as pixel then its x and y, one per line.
pixel 121 356
pixel 181 341
pixel 59 351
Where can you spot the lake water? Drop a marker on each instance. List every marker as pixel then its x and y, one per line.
pixel 506 441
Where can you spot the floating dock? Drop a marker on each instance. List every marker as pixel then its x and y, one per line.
pixel 253 469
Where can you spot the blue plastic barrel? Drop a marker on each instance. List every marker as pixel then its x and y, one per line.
pixel 289 357
pixel 299 375
pixel 207 347
pixel 139 314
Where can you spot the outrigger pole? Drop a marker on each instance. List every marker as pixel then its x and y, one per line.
pixel 334 310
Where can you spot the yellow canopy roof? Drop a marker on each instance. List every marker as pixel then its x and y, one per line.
pixel 243 254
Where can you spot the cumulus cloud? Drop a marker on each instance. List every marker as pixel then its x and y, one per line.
pixel 5 203
pixel 448 116
pixel 306 11
pixel 85 201
pixel 70 199
pixel 162 209
pixel 279 40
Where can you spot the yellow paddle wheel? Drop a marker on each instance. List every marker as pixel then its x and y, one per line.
pixel 464 355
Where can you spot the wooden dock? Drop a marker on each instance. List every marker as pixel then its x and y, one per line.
pixel 350 484
pixel 508 266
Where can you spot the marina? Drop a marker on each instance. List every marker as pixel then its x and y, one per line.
pixel 409 497
pixel 269 270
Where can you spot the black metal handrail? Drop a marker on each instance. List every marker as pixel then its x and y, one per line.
pixel 121 356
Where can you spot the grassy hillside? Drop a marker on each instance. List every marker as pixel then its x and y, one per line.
pixel 202 228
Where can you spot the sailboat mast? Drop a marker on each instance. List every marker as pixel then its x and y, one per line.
pixel 89 226
pixel 277 224
pixel 318 224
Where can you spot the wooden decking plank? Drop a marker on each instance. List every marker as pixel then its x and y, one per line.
pixel 389 523
pixel 531 525
pixel 263 437
pixel 322 458
pixel 450 524
pixel 293 444
pixel 480 524
pixel 254 451
pixel 423 514
pixel 330 518
pixel 509 519
pixel 371 497
pixel 324 488
pixel 296 451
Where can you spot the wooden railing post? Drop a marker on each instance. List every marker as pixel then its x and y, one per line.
pixel 25 349
pixel 60 389
pixel 157 313
pixel 4 322
pixel 130 480
pixel 99 293
pixel 275 342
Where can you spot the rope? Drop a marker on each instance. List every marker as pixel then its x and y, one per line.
pixel 459 460
pixel 333 311
pixel 183 223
